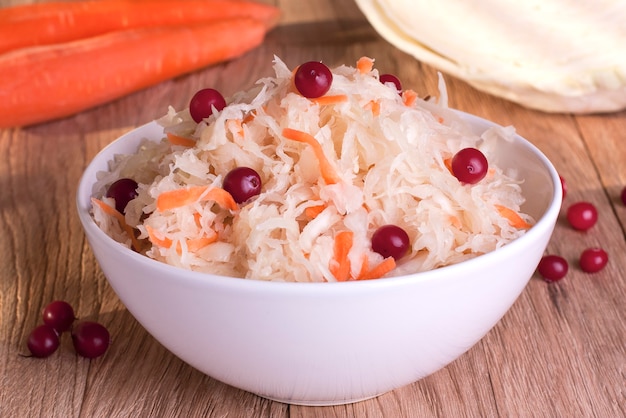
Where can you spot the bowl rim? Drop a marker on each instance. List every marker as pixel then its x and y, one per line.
pixel 545 222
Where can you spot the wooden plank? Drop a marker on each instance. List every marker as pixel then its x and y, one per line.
pixel 558 352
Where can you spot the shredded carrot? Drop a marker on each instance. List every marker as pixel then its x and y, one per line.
pixel 182 197
pixel 409 97
pixel 249 117
pixel 292 86
pixel 235 126
pixel 312 211
pixel 455 221
pixel 448 163
pixel 197 216
pixel 440 119
pixel 374 106
pixel 111 211
pixel 179 140
pixel 365 266
pixel 365 65
pixel 179 197
pixel 513 217
pixel 159 242
pixel 340 263
pixel 330 100
pixel 195 244
pixel 379 270
pixel 328 172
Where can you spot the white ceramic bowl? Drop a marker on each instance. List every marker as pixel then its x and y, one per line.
pixel 327 343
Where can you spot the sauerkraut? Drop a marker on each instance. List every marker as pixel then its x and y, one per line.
pixel 390 153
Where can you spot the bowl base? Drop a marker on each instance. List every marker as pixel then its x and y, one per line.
pixel 332 402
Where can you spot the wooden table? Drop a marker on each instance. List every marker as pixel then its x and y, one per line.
pixel 559 352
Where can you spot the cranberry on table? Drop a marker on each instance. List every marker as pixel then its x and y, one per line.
pixel 202 104
pixel 593 260
pixel 313 79
pixel 122 191
pixel 552 268
pixel 43 341
pixel 90 339
pixel 242 183
pixel 582 215
pixel 59 315
pixel 390 241
pixel 390 78
pixel 469 165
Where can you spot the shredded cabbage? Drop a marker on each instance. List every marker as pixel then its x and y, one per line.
pixel 390 157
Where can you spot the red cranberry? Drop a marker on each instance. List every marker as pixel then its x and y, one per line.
pixel 313 79
pixel 390 78
pixel 552 268
pixel 43 341
pixel 469 165
pixel 122 191
pixel 390 241
pixel 582 215
pixel 90 339
pixel 202 104
pixel 59 315
pixel 593 260
pixel 242 183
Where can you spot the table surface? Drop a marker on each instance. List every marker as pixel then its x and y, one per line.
pixel 559 352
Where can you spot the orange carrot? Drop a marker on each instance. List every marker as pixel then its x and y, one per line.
pixel 330 100
pixel 111 211
pixel 177 198
pixel 455 221
pixel 312 211
pixel 379 270
pixel 195 244
pixel 59 22
pixel 374 106
pixel 328 172
pixel 44 83
pixel 249 117
pixel 235 126
pixel 159 242
pixel 340 263
pixel 365 266
pixel 179 140
pixel 197 217
pixel 409 97
pixel 448 163
pixel 292 85
pixel 513 217
pixel 364 65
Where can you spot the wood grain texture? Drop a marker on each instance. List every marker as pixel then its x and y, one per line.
pixel 559 352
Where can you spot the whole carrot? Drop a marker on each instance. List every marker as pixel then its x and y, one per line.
pixel 57 22
pixel 44 83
